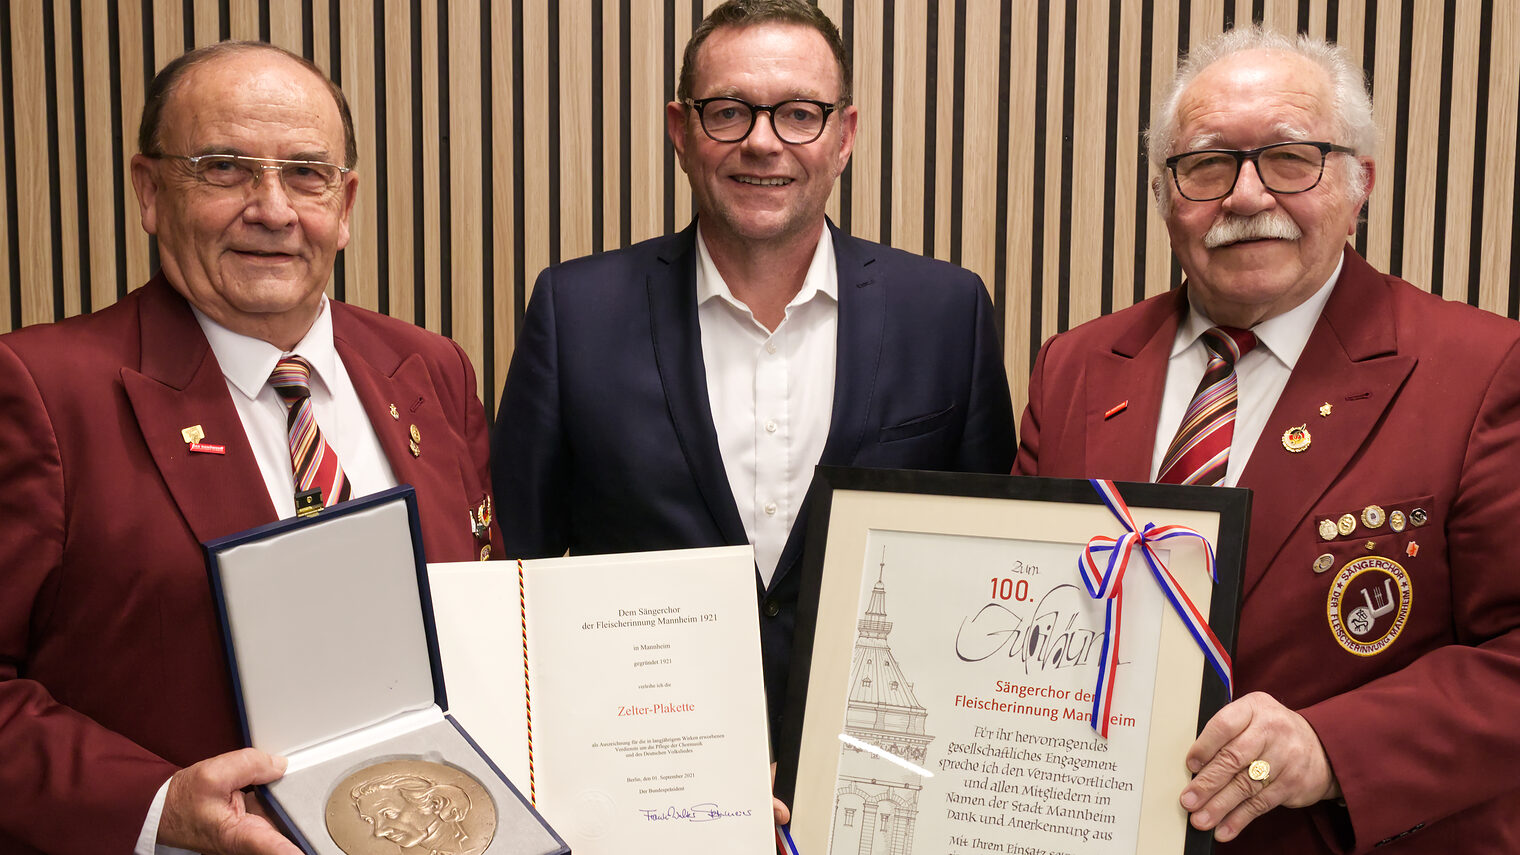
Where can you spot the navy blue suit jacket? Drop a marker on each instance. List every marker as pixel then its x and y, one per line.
pixel 605 440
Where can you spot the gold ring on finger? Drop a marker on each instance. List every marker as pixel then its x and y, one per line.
pixel 1259 770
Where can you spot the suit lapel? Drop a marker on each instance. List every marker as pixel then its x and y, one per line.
pixel 1124 389
pixel 677 335
pixel 1351 362
pixel 383 379
pixel 180 384
pixel 862 325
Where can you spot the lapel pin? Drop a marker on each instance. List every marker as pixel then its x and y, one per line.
pixel 1412 549
pixel 1116 409
pixel 1418 516
pixel 1324 410
pixel 1396 520
pixel 1371 545
pixel 1346 524
pixel 1297 439
pixel 1328 529
pixel 416 434
pixel 416 449
pixel 480 518
pixel 395 413
pixel 1372 516
pixel 1322 563
pixel 193 436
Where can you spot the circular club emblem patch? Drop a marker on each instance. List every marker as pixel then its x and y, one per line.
pixel 1369 604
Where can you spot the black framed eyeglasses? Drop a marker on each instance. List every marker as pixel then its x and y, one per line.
pixel 729 120
pixel 311 178
pixel 1287 167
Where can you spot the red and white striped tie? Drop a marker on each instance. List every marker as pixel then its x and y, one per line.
pixel 1200 453
pixel 313 462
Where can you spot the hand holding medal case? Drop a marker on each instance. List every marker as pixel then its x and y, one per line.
pixel 334 657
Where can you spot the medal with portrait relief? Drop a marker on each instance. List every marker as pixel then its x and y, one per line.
pixel 411 807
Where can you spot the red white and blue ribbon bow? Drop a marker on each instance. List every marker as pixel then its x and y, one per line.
pixel 1108 584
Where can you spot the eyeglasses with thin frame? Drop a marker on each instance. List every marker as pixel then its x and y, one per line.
pixel 798 121
pixel 308 178
pixel 1287 167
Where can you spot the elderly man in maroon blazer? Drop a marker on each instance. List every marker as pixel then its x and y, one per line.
pixel 130 436
pixel 1378 664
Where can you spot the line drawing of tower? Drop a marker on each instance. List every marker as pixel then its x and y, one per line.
pixel 876 799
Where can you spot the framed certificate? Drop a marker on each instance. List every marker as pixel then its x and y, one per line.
pixel 948 656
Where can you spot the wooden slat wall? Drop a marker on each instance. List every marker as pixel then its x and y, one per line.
pixel 497 138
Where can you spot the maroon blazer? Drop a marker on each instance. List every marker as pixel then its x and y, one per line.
pixel 1419 712
pixel 112 670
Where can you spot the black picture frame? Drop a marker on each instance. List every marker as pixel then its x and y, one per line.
pixel 847 504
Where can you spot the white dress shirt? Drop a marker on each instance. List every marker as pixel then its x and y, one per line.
pixel 1260 375
pixel 246 364
pixel 771 394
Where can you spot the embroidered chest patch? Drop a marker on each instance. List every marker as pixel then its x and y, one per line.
pixel 1369 604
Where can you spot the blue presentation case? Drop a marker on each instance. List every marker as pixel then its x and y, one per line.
pixel 328 624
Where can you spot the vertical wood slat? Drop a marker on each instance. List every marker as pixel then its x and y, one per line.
pixel 465 194
pixel 95 66
pixel 403 242
pixel 1016 309
pixel 34 241
pixel 865 202
pixel 361 258
pixel 1501 161
pixel 66 199
pixel 425 170
pixel 903 180
pixel 909 101
pixel 537 115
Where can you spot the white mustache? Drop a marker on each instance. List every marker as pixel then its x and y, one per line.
pixel 1233 228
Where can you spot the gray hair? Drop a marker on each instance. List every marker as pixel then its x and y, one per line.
pixel 1350 107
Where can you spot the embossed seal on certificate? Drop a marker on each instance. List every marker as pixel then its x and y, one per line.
pixel 411 807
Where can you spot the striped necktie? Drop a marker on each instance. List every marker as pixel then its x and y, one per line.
pixel 312 460
pixel 1200 453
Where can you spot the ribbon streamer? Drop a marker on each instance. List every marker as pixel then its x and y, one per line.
pixel 1107 584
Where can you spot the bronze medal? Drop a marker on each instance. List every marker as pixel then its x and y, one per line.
pixel 411 806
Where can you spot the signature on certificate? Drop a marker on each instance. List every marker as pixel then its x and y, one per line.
pixel 704 812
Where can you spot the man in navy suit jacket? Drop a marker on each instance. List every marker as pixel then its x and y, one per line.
pixel 679 392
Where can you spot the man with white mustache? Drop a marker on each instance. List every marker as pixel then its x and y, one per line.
pixel 678 393
pixel 1377 667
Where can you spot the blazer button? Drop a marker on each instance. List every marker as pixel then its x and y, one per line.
pixel 772 608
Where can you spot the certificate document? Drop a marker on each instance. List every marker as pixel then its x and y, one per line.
pixel 947 696
pixel 623 692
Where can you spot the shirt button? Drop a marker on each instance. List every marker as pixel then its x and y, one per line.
pixel 770 508
pixel 770 347
pixel 770 426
